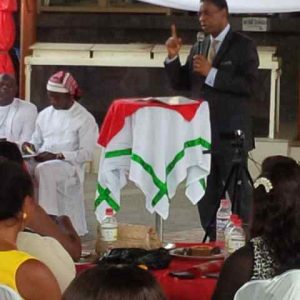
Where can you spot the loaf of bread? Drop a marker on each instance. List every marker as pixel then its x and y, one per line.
pixel 204 250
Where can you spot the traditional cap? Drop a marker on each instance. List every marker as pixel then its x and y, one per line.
pixel 63 82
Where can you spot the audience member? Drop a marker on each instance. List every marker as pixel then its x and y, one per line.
pixel 56 245
pixel 19 270
pixel 49 251
pixel 114 282
pixel 17 117
pixel 39 222
pixel 275 243
pixel 65 138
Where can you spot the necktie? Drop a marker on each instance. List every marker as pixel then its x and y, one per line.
pixel 212 51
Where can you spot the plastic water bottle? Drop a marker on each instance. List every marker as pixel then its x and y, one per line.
pixel 109 229
pixel 222 218
pixel 236 236
pixel 228 228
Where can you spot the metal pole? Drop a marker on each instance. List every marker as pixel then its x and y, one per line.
pixel 159 226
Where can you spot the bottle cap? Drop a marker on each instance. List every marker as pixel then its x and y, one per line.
pixel 233 217
pixel 225 203
pixel 109 212
pixel 237 222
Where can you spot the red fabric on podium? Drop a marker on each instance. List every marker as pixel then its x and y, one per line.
pixel 7 34
pixel 122 108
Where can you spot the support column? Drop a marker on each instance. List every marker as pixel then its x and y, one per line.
pixel 28 20
pixel 298 117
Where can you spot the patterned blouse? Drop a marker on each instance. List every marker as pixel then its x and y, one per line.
pixel 263 267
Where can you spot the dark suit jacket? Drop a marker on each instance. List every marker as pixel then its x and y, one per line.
pixel 237 64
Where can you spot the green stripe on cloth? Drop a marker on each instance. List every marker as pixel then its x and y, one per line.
pixel 199 141
pixel 162 186
pixel 188 144
pixel 116 153
pixel 158 197
pixel 202 183
pixel 104 195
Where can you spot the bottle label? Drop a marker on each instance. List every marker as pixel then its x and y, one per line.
pixel 235 243
pixel 109 234
pixel 220 230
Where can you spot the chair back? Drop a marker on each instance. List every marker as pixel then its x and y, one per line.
pixel 285 286
pixel 6 293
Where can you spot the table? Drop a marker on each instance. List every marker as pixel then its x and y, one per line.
pixel 184 289
pixel 156 145
pixel 178 289
pixel 174 288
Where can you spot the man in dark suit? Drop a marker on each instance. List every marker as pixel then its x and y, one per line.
pixel 225 74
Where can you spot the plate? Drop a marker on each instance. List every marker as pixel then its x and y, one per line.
pixel 182 253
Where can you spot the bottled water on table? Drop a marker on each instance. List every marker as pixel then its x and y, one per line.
pixel 109 229
pixel 228 228
pixel 222 218
pixel 236 236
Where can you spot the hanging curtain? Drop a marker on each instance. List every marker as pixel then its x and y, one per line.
pixel 7 34
pixel 236 6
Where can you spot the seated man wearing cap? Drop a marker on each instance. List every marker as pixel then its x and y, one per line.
pixel 64 139
pixel 17 117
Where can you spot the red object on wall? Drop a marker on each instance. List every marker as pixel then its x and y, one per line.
pixel 7 34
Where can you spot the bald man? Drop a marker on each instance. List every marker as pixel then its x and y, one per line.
pixel 17 117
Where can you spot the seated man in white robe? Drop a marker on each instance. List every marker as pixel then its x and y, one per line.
pixel 64 138
pixel 17 117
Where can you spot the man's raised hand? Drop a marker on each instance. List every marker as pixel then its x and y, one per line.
pixel 173 43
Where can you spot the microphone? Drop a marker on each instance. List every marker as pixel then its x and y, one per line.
pixel 200 39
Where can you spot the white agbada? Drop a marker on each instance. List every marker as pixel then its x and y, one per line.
pixel 17 121
pixel 73 133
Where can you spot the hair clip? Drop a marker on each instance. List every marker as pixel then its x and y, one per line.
pixel 265 182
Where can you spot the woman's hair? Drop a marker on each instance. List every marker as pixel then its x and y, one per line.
pixel 114 282
pixel 15 185
pixel 11 152
pixel 276 214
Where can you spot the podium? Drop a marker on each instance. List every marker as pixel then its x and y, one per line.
pixel 156 145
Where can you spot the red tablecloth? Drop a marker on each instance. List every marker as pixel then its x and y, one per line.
pixel 179 289
pixel 122 108
pixel 186 289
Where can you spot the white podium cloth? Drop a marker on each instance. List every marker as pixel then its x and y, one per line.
pixel 156 149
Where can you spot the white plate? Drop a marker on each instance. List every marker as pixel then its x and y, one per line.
pixel 179 252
